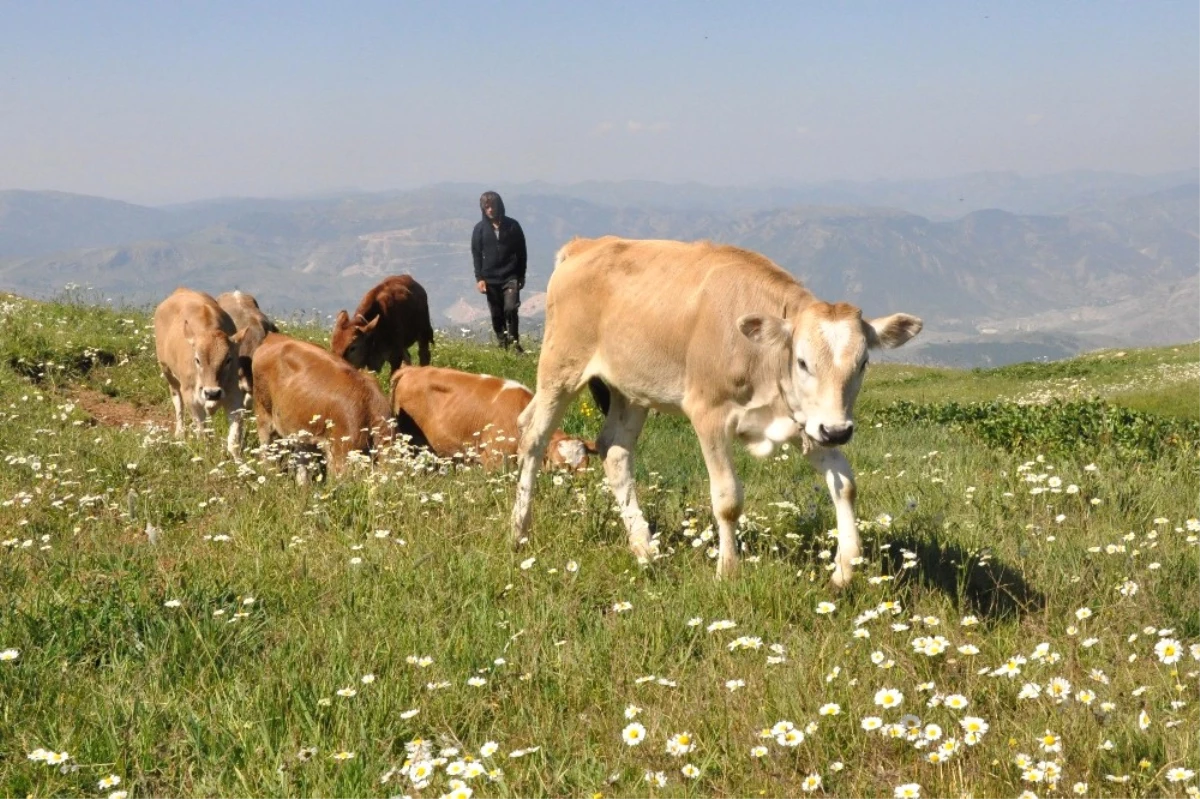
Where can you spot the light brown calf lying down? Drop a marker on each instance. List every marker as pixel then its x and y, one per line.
pixel 459 414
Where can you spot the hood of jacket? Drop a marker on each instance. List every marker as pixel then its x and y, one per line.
pixel 492 198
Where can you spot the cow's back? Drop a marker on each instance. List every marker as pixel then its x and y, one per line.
pixel 641 313
pixel 245 312
pixel 401 301
pixel 253 324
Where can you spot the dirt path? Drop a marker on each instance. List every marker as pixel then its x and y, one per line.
pixel 115 413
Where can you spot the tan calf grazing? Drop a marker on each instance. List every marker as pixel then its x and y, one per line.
pixel 254 326
pixel 463 415
pixel 303 390
pixel 197 345
pixel 720 334
pixel 391 318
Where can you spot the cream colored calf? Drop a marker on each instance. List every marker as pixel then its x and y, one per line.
pixel 197 347
pixel 720 334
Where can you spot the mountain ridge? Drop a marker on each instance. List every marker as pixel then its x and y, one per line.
pixel 1110 270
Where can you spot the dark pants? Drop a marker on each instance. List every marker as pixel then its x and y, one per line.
pixel 503 301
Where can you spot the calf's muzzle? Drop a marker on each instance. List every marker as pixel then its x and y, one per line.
pixel 834 435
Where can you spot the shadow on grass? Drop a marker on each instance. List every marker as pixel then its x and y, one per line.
pixel 71 366
pixel 915 553
pixel 991 589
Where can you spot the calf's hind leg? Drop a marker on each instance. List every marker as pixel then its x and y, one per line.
pixel 537 423
pixel 263 419
pixel 616 445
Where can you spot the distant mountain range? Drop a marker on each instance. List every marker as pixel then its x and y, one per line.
pixel 1000 267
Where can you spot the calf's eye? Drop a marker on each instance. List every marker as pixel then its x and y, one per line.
pixel 803 364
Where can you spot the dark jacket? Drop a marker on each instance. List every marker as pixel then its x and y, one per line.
pixel 499 259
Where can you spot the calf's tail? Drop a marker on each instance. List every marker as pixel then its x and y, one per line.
pixel 601 394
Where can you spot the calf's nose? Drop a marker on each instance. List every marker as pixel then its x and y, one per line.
pixel 835 435
pixel 212 394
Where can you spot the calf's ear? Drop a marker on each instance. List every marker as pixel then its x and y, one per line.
pixel 890 332
pixel 368 327
pixel 342 320
pixel 764 329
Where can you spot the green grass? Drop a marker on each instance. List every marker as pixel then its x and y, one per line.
pixel 1163 380
pixel 197 700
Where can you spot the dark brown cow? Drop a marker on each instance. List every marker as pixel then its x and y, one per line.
pixel 254 326
pixel 391 317
pixel 459 414
pixel 303 390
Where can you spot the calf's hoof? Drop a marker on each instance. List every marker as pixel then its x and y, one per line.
pixel 643 549
pixel 727 568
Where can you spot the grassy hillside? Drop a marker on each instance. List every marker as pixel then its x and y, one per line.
pixel 195 626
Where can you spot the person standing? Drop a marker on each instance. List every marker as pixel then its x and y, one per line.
pixel 498 247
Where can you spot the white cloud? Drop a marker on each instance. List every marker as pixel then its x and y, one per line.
pixel 633 126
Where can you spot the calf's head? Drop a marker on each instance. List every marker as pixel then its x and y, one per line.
pixel 567 452
pixel 252 337
pixel 352 338
pixel 214 357
pixel 818 359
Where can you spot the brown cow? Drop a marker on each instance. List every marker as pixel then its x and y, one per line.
pixel 390 318
pixel 303 390
pixel 253 324
pixel 196 343
pixel 720 334
pixel 459 414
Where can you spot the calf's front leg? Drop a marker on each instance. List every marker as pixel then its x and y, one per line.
pixel 839 478
pixel 199 415
pixel 726 491
pixel 235 412
pixel 177 404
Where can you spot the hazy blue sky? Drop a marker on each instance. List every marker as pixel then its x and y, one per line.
pixel 169 101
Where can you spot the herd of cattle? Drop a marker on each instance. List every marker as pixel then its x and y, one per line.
pixel 226 353
pixel 717 333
